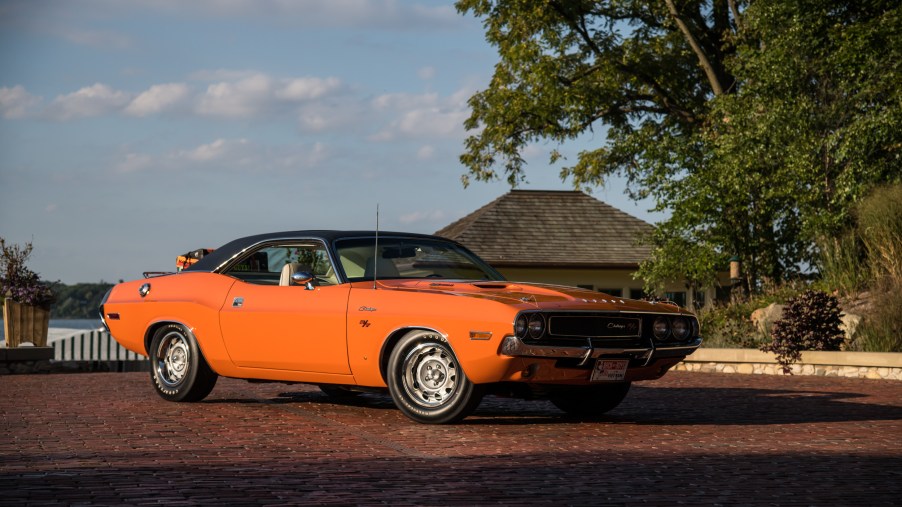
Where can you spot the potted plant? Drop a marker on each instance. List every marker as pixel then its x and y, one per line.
pixel 26 300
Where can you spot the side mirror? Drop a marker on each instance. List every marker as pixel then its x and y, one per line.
pixel 303 278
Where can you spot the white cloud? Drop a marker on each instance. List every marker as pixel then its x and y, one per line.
pixel 425 152
pixel 158 98
pixel 426 73
pixel 16 102
pixel 215 150
pixel 239 99
pixel 89 101
pixel 307 88
pixel 236 155
pixel 257 93
pixel 423 216
pixel 96 38
pixel 134 162
pixel 422 116
pixel 369 14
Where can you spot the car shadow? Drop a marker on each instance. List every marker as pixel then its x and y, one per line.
pixel 717 406
pixel 645 406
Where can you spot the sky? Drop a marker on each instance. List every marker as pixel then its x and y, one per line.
pixel 135 131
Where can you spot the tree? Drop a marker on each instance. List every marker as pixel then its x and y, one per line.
pixel 715 109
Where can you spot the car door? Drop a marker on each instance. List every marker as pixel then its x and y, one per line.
pixel 286 326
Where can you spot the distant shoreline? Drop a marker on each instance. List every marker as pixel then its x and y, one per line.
pixel 73 325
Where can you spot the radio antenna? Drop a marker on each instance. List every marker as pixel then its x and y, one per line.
pixel 376 249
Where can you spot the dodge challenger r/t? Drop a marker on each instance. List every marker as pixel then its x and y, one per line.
pixel 419 316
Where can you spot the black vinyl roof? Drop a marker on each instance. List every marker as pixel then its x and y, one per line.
pixel 220 255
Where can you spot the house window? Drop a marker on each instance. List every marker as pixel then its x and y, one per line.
pixel 614 292
pixel 677 297
pixel 637 293
pixel 698 299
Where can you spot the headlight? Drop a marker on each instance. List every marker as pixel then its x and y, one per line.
pixel 536 326
pixel 661 328
pixel 681 328
pixel 521 326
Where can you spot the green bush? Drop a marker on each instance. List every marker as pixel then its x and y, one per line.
pixel 729 325
pixel 843 264
pixel 880 229
pixel 881 329
pixel 810 322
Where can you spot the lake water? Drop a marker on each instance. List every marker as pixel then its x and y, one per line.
pixel 86 324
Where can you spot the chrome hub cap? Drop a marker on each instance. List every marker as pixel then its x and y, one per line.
pixel 430 375
pixel 172 359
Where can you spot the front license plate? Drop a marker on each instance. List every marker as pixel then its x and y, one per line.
pixel 609 369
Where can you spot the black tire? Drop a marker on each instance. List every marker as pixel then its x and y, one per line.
pixel 336 391
pixel 178 370
pixel 426 382
pixel 591 401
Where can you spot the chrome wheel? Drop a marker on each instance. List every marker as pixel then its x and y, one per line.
pixel 430 375
pixel 173 359
pixel 178 370
pixel 426 381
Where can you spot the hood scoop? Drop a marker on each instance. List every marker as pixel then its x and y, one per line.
pixel 491 285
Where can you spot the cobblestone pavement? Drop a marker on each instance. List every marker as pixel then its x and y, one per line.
pixel 689 438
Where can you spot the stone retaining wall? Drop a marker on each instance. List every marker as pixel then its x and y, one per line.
pixel 828 364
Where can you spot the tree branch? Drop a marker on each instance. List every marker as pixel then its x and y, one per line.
pixel 713 80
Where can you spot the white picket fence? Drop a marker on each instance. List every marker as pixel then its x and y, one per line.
pixel 92 346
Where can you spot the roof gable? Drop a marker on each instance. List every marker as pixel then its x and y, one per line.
pixel 551 228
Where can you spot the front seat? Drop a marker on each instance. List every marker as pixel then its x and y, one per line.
pixel 290 269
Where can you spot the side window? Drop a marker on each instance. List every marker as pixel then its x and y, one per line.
pixel 264 265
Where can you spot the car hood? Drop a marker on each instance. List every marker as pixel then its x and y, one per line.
pixel 527 295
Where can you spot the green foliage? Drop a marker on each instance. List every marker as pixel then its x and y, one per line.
pixel 759 130
pixel 880 228
pixel 730 326
pixel 79 301
pixel 842 264
pixel 881 329
pixel 810 322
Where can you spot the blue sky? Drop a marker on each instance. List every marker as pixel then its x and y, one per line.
pixel 133 131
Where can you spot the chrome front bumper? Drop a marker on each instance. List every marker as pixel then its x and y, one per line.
pixel 514 346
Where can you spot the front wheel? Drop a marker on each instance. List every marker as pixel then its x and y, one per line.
pixel 178 370
pixel 590 401
pixel 427 383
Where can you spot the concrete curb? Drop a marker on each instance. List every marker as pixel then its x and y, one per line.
pixel 871 365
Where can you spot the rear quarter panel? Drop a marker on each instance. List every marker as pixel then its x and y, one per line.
pixel 191 299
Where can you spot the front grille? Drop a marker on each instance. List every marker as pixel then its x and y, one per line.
pixel 594 326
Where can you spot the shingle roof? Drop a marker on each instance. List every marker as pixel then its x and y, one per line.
pixel 551 228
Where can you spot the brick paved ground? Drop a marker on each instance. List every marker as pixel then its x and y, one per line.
pixel 689 438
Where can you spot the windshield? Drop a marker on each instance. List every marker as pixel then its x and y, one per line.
pixel 410 258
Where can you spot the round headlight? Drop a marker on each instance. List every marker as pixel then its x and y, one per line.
pixel 521 326
pixel 681 328
pixel 536 326
pixel 661 328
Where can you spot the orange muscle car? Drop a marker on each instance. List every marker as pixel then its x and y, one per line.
pixel 418 315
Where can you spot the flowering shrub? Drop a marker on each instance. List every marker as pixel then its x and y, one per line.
pixel 810 322
pixel 17 282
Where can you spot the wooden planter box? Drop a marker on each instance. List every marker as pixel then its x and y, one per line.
pixel 25 323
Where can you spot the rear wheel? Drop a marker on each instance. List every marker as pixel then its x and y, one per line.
pixel 178 370
pixel 590 401
pixel 426 382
